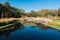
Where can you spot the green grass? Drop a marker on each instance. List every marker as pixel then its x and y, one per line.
pixel 57 20
pixel 55 24
pixel 6 25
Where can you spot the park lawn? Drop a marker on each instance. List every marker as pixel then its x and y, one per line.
pixel 55 24
pixel 57 20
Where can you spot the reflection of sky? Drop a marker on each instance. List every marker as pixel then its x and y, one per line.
pixel 33 33
pixel 28 5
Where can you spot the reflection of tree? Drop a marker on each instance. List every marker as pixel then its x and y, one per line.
pixel 58 30
pixel 43 27
pixel 7 31
pixel 33 26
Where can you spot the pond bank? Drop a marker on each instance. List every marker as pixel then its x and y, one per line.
pixel 31 21
pixel 10 26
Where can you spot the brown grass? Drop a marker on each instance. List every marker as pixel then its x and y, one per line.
pixel 9 19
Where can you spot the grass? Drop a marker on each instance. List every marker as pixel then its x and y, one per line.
pixel 2 20
pixel 57 20
pixel 6 25
pixel 55 24
pixel 5 20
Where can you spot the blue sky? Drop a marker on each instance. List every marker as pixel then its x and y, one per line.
pixel 36 5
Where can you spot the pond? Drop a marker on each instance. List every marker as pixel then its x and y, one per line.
pixel 31 33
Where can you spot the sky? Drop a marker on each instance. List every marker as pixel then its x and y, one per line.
pixel 36 5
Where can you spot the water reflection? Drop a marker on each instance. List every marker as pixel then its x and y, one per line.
pixel 9 29
pixel 20 32
pixel 43 27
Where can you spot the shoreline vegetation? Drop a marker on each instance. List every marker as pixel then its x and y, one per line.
pixel 31 21
pixel 44 16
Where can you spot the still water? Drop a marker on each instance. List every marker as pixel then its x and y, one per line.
pixel 31 33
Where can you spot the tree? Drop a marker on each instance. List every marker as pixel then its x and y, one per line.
pixel 33 13
pixel 7 5
pixel 43 12
pixel 19 12
pixel 7 11
pixel 58 11
pixel 0 10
